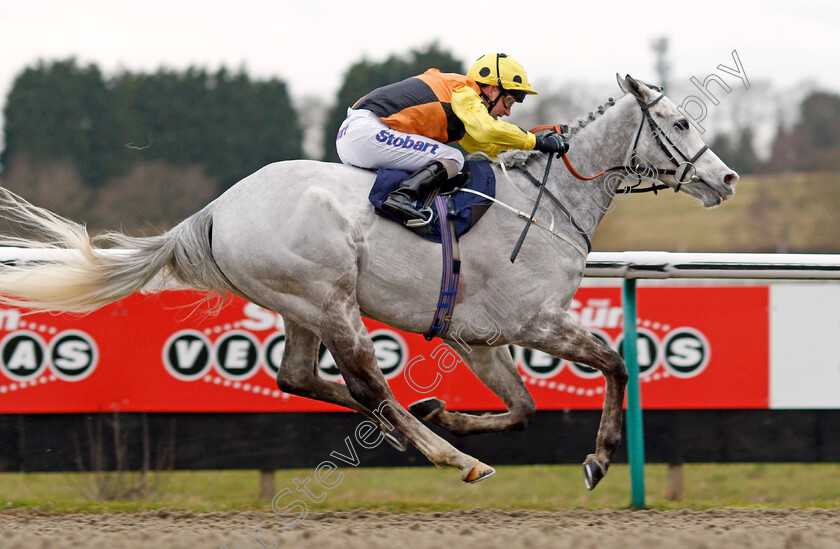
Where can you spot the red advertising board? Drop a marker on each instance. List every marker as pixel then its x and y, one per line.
pixel 699 347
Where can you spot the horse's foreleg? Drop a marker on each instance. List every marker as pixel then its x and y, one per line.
pixel 556 333
pixel 345 335
pixel 298 375
pixel 496 369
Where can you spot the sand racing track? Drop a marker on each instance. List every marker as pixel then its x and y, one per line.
pixel 484 529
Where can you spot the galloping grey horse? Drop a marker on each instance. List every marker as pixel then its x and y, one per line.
pixel 301 238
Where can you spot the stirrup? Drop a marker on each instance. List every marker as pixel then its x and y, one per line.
pixel 414 223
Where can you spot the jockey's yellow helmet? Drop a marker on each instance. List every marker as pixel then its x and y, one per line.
pixel 500 69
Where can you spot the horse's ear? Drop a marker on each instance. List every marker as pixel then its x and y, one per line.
pixel 633 86
pixel 620 81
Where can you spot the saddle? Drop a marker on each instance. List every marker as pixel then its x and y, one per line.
pixel 464 208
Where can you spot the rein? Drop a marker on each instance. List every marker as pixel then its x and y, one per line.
pixel 627 189
pixel 533 212
pixel 563 209
pixel 559 129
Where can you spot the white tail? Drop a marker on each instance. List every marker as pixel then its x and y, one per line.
pixel 88 278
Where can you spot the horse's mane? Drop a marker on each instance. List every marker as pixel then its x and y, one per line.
pixel 583 120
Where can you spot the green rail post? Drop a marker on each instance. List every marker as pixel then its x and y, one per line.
pixel 635 435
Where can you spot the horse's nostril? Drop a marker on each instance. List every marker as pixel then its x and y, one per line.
pixel 731 179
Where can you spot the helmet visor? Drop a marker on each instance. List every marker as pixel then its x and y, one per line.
pixel 518 95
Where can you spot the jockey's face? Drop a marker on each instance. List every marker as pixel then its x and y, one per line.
pixel 503 105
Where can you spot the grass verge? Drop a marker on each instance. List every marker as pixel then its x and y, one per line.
pixel 426 489
pixel 791 212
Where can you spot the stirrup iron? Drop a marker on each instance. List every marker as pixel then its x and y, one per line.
pixel 414 223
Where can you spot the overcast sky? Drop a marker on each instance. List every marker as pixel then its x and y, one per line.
pixel 311 43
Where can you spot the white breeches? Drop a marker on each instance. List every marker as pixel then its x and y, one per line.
pixel 366 141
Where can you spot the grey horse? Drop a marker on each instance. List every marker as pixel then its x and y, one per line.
pixel 300 238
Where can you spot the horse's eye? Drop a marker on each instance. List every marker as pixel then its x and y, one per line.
pixel 681 125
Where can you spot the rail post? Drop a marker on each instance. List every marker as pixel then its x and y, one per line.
pixel 635 435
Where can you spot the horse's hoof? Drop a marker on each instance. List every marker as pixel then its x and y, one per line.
pixel 397 440
pixel 479 472
pixel 426 407
pixel 592 473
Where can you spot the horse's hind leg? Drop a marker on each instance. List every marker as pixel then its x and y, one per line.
pixel 298 371
pixel 345 335
pixel 496 369
pixel 555 332
pixel 298 375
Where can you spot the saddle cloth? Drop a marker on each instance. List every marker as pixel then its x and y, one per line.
pixel 465 209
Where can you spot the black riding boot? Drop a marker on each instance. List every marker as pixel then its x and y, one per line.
pixel 400 203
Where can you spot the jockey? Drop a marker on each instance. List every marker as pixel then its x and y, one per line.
pixel 408 125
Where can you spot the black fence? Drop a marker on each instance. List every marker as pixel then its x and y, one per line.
pixel 149 441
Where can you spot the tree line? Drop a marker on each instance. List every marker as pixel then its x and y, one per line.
pixel 223 121
pixel 142 150
pixel 810 145
pixel 145 150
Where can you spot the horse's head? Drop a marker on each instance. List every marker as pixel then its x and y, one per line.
pixel 669 149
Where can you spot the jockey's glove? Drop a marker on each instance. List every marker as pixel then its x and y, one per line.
pixel 552 143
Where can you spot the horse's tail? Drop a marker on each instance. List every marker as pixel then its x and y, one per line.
pixel 79 275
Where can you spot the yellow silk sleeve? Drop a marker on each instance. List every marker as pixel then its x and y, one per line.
pixel 483 132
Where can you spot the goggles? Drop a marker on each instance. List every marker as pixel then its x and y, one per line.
pixel 509 97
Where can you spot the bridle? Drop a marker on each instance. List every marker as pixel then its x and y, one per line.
pixel 630 166
pixel 658 135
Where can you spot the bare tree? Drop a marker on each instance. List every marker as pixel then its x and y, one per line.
pixel 55 185
pixel 154 196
